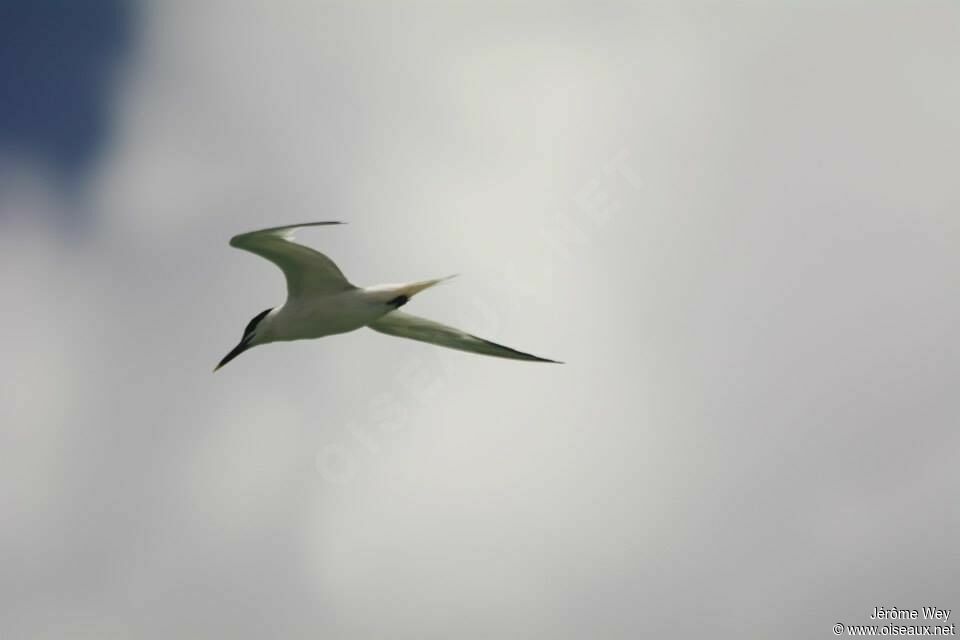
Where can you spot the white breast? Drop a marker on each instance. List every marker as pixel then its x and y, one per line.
pixel 324 316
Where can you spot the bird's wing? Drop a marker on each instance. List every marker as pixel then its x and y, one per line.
pixel 308 272
pixel 404 325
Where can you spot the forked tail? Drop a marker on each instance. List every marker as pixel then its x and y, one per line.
pixel 413 288
pixel 397 295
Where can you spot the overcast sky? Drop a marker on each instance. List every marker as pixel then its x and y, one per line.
pixel 737 223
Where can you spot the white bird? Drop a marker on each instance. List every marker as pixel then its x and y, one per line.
pixel 321 302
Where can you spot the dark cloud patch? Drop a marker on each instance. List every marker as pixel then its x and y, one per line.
pixel 57 64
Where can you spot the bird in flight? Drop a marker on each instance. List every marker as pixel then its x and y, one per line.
pixel 321 302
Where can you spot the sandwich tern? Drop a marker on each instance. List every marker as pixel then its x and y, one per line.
pixel 321 302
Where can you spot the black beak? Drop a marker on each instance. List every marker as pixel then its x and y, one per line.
pixel 237 350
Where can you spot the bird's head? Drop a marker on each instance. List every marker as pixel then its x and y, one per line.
pixel 250 338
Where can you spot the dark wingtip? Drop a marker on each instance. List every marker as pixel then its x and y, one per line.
pixel 523 355
pixel 321 223
pixel 534 358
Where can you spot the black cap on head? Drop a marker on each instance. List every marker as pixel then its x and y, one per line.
pixel 247 338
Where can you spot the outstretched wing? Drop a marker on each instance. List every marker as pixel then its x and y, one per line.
pixel 308 272
pixel 404 325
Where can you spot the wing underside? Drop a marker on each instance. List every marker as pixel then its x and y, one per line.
pixel 307 271
pixel 405 325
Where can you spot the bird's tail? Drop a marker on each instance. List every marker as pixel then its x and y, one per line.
pixel 413 288
pixel 397 295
